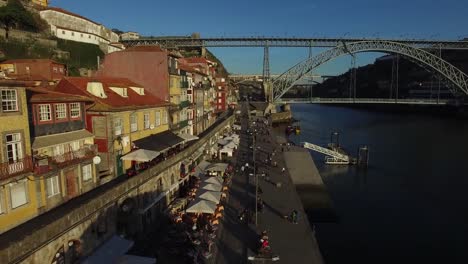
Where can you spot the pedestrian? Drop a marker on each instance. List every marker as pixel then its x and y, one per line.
pixel 242 168
pixel 283 169
pixel 294 216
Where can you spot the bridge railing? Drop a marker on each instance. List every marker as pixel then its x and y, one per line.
pixel 318 100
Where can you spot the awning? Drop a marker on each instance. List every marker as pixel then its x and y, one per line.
pixel 227 151
pixel 159 142
pixel 211 196
pixel 142 155
pixel 188 137
pixel 57 139
pixel 201 206
pixel 221 167
pixel 231 145
pixel 110 252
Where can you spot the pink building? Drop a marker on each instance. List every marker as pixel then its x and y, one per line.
pixel 146 65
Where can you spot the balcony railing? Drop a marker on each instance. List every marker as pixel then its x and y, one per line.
pixel 11 169
pixel 183 124
pixel 184 84
pixel 46 163
pixel 184 104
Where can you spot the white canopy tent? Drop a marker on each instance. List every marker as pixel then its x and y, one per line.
pixel 211 196
pixel 227 151
pixel 188 137
pixel 211 187
pixel 218 167
pixel 223 142
pixel 231 145
pixel 213 180
pixel 141 155
pixel 201 206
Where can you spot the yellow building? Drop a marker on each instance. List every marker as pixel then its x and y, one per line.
pixel 44 3
pixel 123 113
pixel 18 199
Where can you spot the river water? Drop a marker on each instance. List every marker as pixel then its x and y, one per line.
pixel 411 204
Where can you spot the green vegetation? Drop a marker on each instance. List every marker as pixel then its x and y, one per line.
pixel 220 70
pixel 13 14
pixel 15 49
pixel 82 55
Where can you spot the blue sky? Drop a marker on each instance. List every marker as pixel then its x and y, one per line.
pixel 434 19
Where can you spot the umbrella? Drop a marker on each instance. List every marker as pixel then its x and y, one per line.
pixel 201 206
pixel 223 142
pixel 211 196
pixel 221 167
pixel 142 155
pixel 213 180
pixel 211 187
pixel 231 145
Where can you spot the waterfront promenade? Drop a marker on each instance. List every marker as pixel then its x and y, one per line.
pixel 293 243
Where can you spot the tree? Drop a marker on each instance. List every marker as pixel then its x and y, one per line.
pixel 14 14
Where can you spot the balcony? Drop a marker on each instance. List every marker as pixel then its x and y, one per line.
pixel 184 85
pixel 184 104
pixel 183 124
pixel 11 169
pixel 45 164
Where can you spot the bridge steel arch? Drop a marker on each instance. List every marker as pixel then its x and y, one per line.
pixel 289 78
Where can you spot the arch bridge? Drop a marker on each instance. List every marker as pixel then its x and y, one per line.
pixel 457 78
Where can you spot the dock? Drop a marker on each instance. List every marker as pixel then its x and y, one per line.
pixel 292 243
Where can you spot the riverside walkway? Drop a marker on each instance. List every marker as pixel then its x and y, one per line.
pixel 293 243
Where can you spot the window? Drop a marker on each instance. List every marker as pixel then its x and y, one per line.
pixel 133 123
pixel 61 69
pixel 164 117
pixel 58 150
pixel 87 172
pixel 55 69
pixel 75 145
pixel 146 120
pixel 219 94
pixel 44 112
pixel 158 118
pixel 81 35
pixel 52 185
pixel 89 36
pixel 60 111
pixel 219 100
pixel 124 92
pixel 73 33
pixel 2 206
pixel 118 126
pixel 14 147
pixel 63 32
pixel 18 195
pixel 9 100
pixel 75 110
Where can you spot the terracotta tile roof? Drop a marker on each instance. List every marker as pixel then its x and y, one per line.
pixel 71 14
pixel 197 60
pixel 18 83
pixel 146 49
pixel 29 61
pixel 42 95
pixel 113 102
pixel 186 68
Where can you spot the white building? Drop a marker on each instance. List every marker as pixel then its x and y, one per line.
pixel 129 35
pixel 70 26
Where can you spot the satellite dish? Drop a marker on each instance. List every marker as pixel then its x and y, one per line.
pixel 97 160
pixel 152 126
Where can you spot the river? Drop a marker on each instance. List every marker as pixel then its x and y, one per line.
pixel 410 205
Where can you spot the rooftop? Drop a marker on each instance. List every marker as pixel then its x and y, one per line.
pixel 113 101
pixel 69 13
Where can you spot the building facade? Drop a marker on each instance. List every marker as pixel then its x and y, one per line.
pixel 70 26
pixel 147 66
pixel 43 69
pixel 123 113
pixel 18 194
